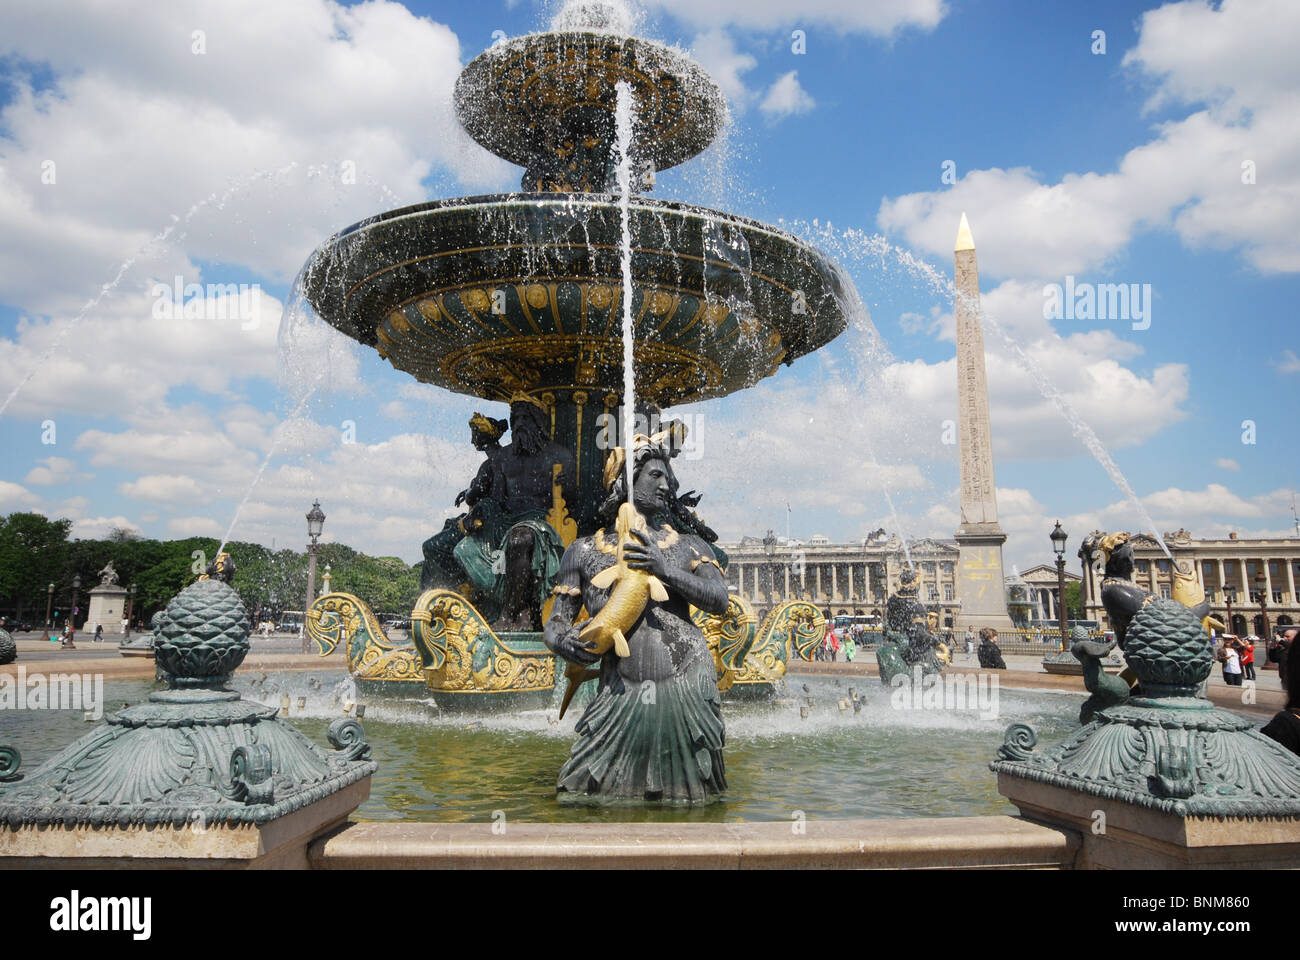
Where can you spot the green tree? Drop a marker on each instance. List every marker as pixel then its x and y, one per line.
pixel 33 554
pixel 1073 601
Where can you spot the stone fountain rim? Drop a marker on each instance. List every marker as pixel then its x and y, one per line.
pixel 501 200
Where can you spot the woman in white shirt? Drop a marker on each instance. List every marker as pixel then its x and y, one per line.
pixel 1231 666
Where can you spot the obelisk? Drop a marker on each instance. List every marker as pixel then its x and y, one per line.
pixel 980 586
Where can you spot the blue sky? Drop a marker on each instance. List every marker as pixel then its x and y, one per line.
pixel 1122 167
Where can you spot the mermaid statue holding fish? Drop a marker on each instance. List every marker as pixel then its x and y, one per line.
pixel 653 731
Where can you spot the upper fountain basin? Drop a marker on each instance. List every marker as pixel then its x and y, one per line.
pixel 491 295
pixel 547 102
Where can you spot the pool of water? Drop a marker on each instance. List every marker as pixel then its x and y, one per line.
pixel 880 762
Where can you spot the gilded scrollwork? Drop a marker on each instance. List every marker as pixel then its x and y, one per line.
pixel 341 618
pixel 730 637
pixel 462 654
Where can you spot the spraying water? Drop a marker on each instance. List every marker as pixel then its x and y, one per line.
pixel 860 245
pixel 623 165
pixel 176 227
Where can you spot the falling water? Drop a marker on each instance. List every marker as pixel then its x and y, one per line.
pixel 623 156
pixel 861 244
pixel 218 200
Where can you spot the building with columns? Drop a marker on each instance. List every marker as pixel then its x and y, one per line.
pixel 842 578
pixel 1044 585
pixel 1257 576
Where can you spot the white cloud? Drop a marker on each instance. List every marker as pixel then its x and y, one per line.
pixel 1189 177
pixel 182 527
pixel 1227 463
pixel 14 496
pixel 1289 363
pixel 98 528
pixel 880 17
pixel 55 470
pixel 716 52
pixel 140 129
pixel 163 488
pixel 786 97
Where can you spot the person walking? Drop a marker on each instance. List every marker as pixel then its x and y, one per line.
pixel 850 647
pixel 1248 657
pixel 99 633
pixel 69 635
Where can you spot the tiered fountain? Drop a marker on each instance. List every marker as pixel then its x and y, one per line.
pixel 521 295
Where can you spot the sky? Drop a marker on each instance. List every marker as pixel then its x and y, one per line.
pixel 1155 146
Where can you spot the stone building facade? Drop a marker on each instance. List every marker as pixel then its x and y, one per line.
pixel 842 578
pixel 1044 585
pixel 1243 571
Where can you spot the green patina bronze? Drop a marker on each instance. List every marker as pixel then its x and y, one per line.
pixel 908 642
pixel 8 649
pixel 1165 747
pixel 195 753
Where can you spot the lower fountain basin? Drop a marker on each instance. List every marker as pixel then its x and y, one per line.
pixel 489 295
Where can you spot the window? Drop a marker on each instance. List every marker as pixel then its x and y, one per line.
pixel 947 591
pixel 1277 596
pixel 1207 568
pixel 1272 568
pixel 928 567
pixel 1144 566
pixel 1209 594
pixel 1250 568
pixel 1229 568
pixel 934 592
pixel 1164 591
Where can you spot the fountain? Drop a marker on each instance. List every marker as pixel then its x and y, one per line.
pixel 196 772
pixel 518 299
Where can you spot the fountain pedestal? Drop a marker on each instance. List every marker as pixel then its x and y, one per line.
pixel 195 773
pixel 1165 779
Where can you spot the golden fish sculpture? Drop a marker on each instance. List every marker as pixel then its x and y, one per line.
pixel 633 589
pixel 1190 593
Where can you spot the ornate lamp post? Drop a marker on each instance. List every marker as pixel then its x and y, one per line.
pixel 130 610
pixel 1262 581
pixel 315 521
pixel 1059 537
pixel 76 586
pixel 1227 600
pixel 49 605
pixel 769 550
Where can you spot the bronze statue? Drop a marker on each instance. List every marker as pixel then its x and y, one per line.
pixel 654 730
pixel 440 566
pixel 504 552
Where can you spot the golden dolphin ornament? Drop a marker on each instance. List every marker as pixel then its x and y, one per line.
pixel 632 590
pixel 1190 593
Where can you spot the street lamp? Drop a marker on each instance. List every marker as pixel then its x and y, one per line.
pixel 1059 537
pixel 72 614
pixel 1262 581
pixel 49 605
pixel 1228 593
pixel 130 611
pixel 315 521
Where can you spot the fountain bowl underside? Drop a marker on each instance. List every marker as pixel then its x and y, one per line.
pixel 489 295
